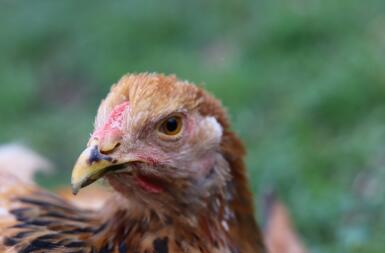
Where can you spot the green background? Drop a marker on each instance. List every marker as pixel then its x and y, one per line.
pixel 304 83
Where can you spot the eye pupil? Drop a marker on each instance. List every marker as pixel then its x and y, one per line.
pixel 172 124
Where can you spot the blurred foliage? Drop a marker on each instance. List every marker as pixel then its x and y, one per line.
pixel 303 80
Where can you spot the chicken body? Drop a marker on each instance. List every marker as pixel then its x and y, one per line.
pixel 176 169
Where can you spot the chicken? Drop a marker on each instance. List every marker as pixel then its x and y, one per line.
pixel 279 231
pixel 31 163
pixel 177 173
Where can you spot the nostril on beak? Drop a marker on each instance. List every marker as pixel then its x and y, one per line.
pixel 107 149
pixel 97 156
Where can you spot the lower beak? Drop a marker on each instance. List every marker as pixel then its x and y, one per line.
pixel 90 166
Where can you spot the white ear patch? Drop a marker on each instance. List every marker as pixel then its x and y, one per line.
pixel 214 128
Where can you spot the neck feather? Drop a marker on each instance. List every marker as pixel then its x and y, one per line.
pixel 223 218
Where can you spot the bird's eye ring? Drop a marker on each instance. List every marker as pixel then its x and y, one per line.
pixel 171 126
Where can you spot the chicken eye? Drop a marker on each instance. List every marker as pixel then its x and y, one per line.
pixel 171 126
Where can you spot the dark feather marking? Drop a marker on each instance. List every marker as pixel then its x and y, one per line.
pixel 129 228
pixel 22 234
pixel 51 196
pixel 161 245
pixel 38 245
pixel 106 249
pixel 19 213
pixel 122 247
pixel 168 220
pixel 38 222
pixel 143 226
pixel 79 230
pixel 44 204
pixel 63 216
pixel 196 238
pixel 21 225
pixel 210 174
pixel 48 237
pixel 100 228
pixel 75 244
pixel 47 214
pixel 10 241
pixel 178 244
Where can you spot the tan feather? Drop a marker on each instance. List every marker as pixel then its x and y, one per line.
pixel 205 204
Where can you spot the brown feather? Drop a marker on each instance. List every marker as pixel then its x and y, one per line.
pixel 206 215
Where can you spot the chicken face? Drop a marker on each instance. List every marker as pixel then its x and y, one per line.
pixel 153 136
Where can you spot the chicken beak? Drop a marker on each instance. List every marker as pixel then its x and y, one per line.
pixel 90 166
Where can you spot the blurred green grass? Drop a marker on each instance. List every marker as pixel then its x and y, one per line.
pixel 303 80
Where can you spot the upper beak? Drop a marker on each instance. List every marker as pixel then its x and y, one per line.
pixel 90 166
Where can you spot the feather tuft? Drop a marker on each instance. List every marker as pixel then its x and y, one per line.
pixel 21 162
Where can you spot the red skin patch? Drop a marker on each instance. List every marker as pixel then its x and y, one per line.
pixel 113 128
pixel 114 123
pixel 146 185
